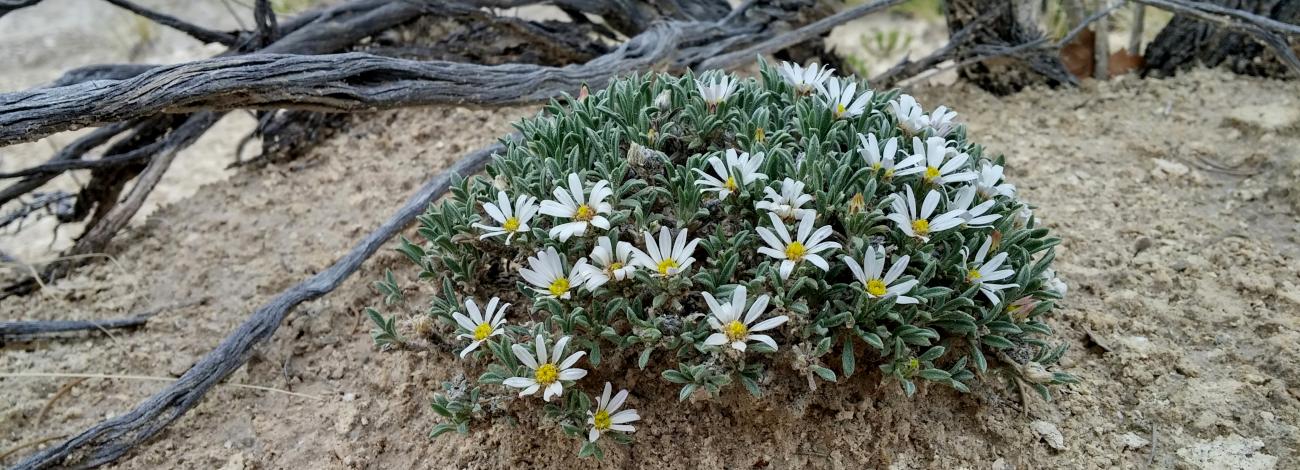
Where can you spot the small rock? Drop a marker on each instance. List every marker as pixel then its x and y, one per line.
pixel 177 366
pixel 1001 464
pixel 1132 441
pixel 844 415
pixel 346 418
pixel 1267 117
pixel 1169 168
pixel 1289 292
pixel 1231 451
pixel 1050 434
pixel 235 462
pixel 349 397
pixel 1142 244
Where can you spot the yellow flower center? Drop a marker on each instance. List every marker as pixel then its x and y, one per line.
pixel 584 213
pixel 889 173
pixel 876 288
pixel 652 133
pixel 546 374
pixel 794 251
pixel 511 225
pixel 666 265
pixel 601 421
pixel 615 266
pixel 839 110
pixel 973 275
pixel 921 227
pixel 931 173
pixel 876 166
pixel 759 135
pixel 736 331
pixel 482 331
pixel 731 184
pixel 559 286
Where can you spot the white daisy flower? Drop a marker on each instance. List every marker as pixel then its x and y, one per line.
pixel 884 160
pixel 977 216
pixel 984 273
pixel 608 263
pixel 941 120
pixel 877 286
pixel 607 417
pixel 804 80
pixel 937 171
pixel 574 204
pixel 839 96
pixel 666 258
pixel 513 219
pixel 787 204
pixel 717 89
pixel 911 118
pixel 987 182
pixel 920 225
pixel 480 325
pixel 547 374
pixel 731 174
pixel 732 328
pixel 545 272
pixel 792 251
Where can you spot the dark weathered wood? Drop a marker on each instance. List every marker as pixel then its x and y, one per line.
pixel 195 31
pixel 7 6
pixel 782 41
pixel 346 82
pixel 99 194
pixel 908 68
pixel 101 72
pixel 32 328
pixel 110 214
pixel 1245 36
pixel 71 152
pixel 112 438
pixel 660 46
pixel 54 203
pixel 1011 27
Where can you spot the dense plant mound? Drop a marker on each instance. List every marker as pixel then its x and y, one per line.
pixel 717 230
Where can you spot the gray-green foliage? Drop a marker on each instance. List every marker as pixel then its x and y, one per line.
pixel 646 135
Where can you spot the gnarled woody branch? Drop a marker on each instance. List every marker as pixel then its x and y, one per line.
pixel 108 440
pixel 334 82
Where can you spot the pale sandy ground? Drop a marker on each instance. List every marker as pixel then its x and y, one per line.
pixel 1186 271
pixel 39 43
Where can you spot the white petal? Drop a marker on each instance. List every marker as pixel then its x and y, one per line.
pixel 572 359
pixel 519 382
pixel 770 323
pixel 522 354
pixel 552 390
pixel 765 339
pixel 716 339
pixel 617 402
pixel 572 374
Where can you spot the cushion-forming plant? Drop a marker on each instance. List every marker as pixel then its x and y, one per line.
pixel 715 230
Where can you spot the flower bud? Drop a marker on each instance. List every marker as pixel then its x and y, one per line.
pixel 1036 373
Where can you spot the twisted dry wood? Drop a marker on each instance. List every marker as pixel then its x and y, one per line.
pixel 346 82
pixel 672 45
pixel 110 439
pixel 30 328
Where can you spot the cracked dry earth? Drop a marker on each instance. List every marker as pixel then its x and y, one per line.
pixel 1176 200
